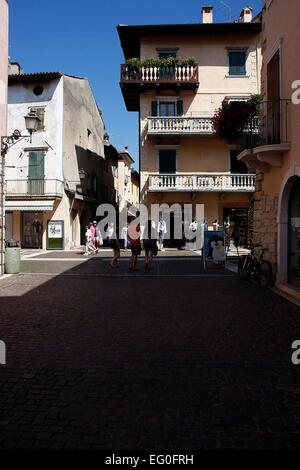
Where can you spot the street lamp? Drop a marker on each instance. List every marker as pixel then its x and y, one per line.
pixel 31 124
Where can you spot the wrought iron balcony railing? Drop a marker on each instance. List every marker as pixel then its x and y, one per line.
pixel 215 182
pixel 270 127
pixel 34 187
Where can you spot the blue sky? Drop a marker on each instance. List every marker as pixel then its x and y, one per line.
pixel 80 38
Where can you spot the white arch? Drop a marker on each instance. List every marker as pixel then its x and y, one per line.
pixel 282 223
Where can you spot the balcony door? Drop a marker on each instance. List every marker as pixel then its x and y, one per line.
pixel 167 161
pixel 36 173
pixel 273 104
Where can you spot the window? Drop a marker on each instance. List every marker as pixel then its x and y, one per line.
pixel 40 112
pixel 237 166
pixel 167 161
pixel 38 90
pixel 237 62
pixel 165 53
pixel 167 108
pixel 36 172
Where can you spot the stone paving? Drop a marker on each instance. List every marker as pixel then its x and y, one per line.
pixel 177 359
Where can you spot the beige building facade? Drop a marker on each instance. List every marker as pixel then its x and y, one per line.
pixel 3 114
pixel 181 159
pixel 276 156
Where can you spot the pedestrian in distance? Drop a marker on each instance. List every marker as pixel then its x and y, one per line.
pixel 162 230
pixel 98 237
pixel 216 225
pixel 124 236
pixel 89 246
pixel 115 246
pixel 134 237
pixel 150 247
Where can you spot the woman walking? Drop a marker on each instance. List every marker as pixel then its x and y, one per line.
pixel 134 237
pixel 115 245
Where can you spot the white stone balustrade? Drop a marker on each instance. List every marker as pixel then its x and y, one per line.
pixel 214 182
pixel 180 125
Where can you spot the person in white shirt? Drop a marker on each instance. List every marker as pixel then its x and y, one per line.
pixel 216 225
pixel 162 230
pixel 124 236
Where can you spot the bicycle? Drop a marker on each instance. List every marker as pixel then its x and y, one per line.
pixel 251 267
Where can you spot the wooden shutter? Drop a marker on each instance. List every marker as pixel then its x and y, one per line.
pixel 36 167
pixel 179 108
pixel 154 108
pixel 273 123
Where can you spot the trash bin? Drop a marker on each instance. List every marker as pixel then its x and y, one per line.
pixel 12 257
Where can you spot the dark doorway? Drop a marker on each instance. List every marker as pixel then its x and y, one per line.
pixel 294 235
pixel 238 219
pixel 167 161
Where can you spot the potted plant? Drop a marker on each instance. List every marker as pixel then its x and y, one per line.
pixel 133 64
pixel 232 119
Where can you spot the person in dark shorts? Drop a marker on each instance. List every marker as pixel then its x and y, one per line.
pixel 134 237
pixel 114 244
pixel 150 247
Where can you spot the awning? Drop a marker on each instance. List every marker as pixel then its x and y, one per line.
pixel 34 206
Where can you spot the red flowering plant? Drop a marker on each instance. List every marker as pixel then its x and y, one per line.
pixel 233 118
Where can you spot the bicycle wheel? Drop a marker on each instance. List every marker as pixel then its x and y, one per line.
pixel 244 268
pixel 265 274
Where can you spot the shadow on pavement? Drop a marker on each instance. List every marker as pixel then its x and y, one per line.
pixel 101 360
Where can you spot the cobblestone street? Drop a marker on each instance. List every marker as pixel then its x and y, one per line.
pixel 177 358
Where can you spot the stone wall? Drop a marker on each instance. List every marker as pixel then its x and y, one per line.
pixel 265 221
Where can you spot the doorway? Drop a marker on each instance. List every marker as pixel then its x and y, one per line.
pixel 294 235
pixel 32 224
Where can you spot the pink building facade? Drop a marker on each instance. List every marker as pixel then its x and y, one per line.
pixel 276 156
pixel 3 110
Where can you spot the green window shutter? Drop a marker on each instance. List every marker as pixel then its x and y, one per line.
pixel 154 108
pixel 237 63
pixel 36 165
pixel 179 108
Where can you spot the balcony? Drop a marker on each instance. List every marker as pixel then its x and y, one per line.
pixel 183 125
pixel 31 188
pixel 210 182
pixel 134 82
pixel 267 137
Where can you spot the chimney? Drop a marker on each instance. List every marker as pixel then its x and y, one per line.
pixel 246 15
pixel 207 14
pixel 14 68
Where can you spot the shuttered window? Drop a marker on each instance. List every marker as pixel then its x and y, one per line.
pixel 167 109
pixel 40 112
pixel 237 62
pixel 167 161
pixel 36 173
